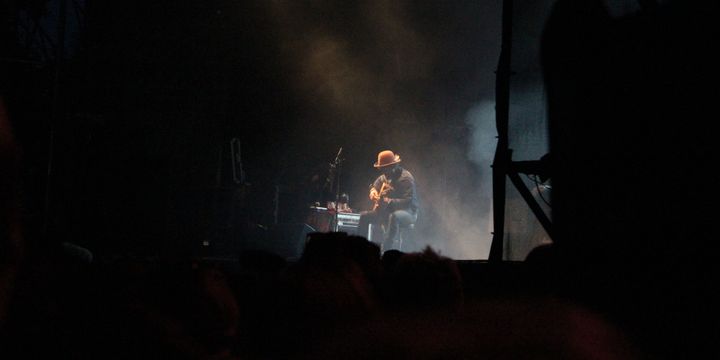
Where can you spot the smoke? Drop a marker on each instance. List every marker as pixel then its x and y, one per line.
pixel 350 61
pixel 467 218
pixel 481 120
pixel 528 138
pixel 400 75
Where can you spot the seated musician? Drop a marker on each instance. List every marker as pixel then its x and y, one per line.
pixel 395 200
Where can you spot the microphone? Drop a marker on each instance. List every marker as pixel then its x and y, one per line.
pixel 337 157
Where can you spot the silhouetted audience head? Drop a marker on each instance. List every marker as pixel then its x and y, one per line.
pixel 11 240
pixel 182 311
pixel 425 280
pixel 261 261
pixel 629 90
pixel 336 275
pixel 338 248
pixel 390 259
pixel 503 328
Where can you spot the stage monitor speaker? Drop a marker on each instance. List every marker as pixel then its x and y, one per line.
pixel 349 229
pixel 286 240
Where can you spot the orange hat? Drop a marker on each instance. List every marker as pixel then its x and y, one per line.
pixel 385 158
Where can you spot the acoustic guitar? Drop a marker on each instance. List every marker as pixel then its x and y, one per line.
pixel 384 189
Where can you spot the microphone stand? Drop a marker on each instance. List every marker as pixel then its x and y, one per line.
pixel 337 165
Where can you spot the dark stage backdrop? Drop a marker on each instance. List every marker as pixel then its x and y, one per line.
pixel 152 94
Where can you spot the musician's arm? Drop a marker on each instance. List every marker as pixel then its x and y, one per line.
pixel 403 200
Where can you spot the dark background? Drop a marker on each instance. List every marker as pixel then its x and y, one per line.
pixel 136 120
pixel 139 115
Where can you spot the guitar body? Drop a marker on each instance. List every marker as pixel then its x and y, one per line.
pixel 380 203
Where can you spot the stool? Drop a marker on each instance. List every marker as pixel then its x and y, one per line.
pixel 405 233
pixel 375 231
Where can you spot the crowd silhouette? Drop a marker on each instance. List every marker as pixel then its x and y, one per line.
pixel 341 299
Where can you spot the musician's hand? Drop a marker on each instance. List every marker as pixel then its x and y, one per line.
pixel 374 196
pixel 386 200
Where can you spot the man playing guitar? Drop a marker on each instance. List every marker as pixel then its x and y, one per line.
pixel 395 200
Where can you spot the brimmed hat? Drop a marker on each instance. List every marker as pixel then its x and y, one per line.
pixel 387 157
